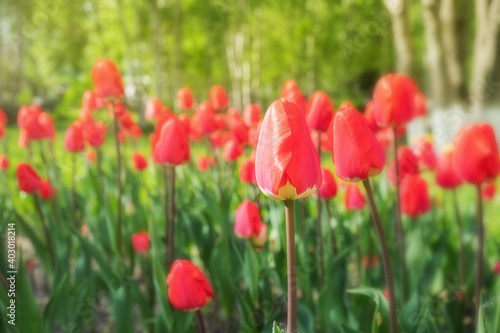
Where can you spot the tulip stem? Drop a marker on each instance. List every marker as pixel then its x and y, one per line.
pixel 318 227
pixel 399 225
pixel 460 238
pixel 333 238
pixel 45 231
pixel 201 322
pixel 386 260
pixel 292 283
pixel 171 238
pixel 479 254
pixel 166 201
pixel 119 172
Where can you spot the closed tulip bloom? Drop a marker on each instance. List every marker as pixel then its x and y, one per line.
pixel 488 191
pixel 287 86
pixel 328 188
pixel 203 121
pixel 425 154
pixel 139 161
pixel 185 121
pixel 476 158
pixel 353 199
pixel 95 133
pixel 4 162
pixel 91 155
pixel 232 150
pixel 319 111
pixel 445 175
pixel 153 108
pixel 73 138
pixel 89 100
pixel 251 114
pixel 247 171
pixel 394 100
pixel 370 117
pixel 27 178
pixel 47 125
pixel 248 224
pixel 107 79
pixel 408 165
pixel 420 105
pixel 140 242
pixel 185 98
pixel 188 288
pixel 286 164
pixel 414 196
pixel 47 191
pixel 218 97
pixel 172 145
pixel 202 162
pixel 357 154
pixel 30 122
pixel 296 96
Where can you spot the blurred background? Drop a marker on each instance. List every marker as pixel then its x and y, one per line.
pixel 450 47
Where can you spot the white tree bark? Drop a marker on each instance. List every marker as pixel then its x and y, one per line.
pixel 402 35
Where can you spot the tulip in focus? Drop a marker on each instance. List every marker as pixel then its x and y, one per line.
pixel 248 224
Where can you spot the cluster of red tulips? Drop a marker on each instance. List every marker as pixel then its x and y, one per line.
pixel 285 164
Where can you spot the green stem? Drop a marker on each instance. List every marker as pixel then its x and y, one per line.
pixel 292 283
pixel 479 254
pixel 460 238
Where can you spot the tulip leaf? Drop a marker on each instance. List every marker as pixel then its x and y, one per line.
pixel 276 329
pixel 380 321
pixel 51 309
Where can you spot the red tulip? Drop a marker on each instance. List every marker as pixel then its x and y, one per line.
pixel 327 137
pixel 91 156
pixel 89 100
pixel 414 196
pixel 47 191
pixel 420 105
pixel 345 104
pixel 28 118
pixel 27 178
pixel 476 158
pixel 153 108
pixel 4 162
pixel 126 120
pixel 328 188
pixel 219 138
pixel 315 139
pixel 424 152
pixel 353 199
pixel 248 225
pixel 107 79
pixel 446 176
pixel 95 133
pixel 220 122
pixel 247 171
pixel 203 121
pixel 319 111
pixel 172 144
pixel 2 131
pixel 370 262
pixel 496 269
pixel 135 131
pixel 287 86
pixel 394 100
pixel 218 97
pixel 139 161
pixel 296 96
pixel 202 163
pixel 253 134
pixel 408 165
pixel 3 117
pixel 188 288
pixel 232 150
pixel 357 153
pixel 286 164
pixel 370 117
pixel 251 114
pixel 488 191
pixel 140 242
pixel 73 138
pixel 185 121
pixel 185 98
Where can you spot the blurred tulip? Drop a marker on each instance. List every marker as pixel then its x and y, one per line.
pixel 319 111
pixel 172 144
pixel 247 171
pixel 220 122
pixel 47 191
pixel 107 79
pixel 423 150
pixel 476 158
pixel 27 178
pixel 253 134
pixel 408 165
pixel 91 155
pixel 28 118
pixel 394 100
pixel 218 97
pixel 140 242
pixel 357 153
pixel 24 139
pixel 153 108
pixel 139 161
pixel 414 196
pixel 185 98
pixel 445 175
pixel 286 164
pixel 370 117
pixel 345 104
pixel 328 188
pixel 232 150
pixel 3 117
pixel 496 268
pixel 4 162
pixel 188 288
pixel 248 224
pixel 287 86
pixel 420 105
pixel 315 137
pixel 251 114
pixel 47 125
pixel 95 133
pixel 135 131
pixel 73 138
pixel 370 262
pixel 2 131
pixel 203 121
pixel 296 96
pixel 185 121
pixel 89 100
pixel 488 191
pixel 327 137
pixel 202 163
pixel 353 199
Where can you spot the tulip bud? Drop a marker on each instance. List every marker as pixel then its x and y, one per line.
pixel 218 97
pixel 202 163
pixel 251 114
pixel 153 108
pixel 414 196
pixel 188 288
pixel 424 152
pixel 232 150
pixel 370 117
pixel 89 101
pixel 91 155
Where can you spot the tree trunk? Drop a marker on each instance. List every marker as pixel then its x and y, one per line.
pixel 155 39
pixel 177 70
pixel 402 35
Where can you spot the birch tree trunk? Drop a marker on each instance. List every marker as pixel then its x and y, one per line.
pixel 402 35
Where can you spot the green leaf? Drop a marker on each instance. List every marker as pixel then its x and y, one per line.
pixel 52 309
pixel 380 321
pixel 276 329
